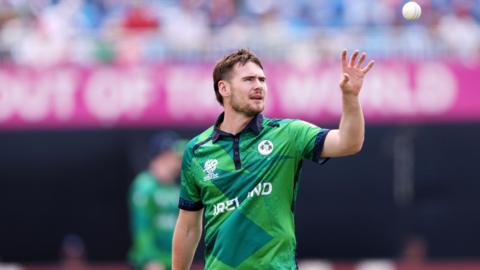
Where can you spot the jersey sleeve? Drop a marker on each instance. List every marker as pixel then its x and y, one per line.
pixel 190 198
pixel 308 140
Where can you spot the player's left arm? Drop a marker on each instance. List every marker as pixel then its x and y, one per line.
pixel 348 138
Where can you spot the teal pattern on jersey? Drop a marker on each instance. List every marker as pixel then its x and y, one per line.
pixel 248 196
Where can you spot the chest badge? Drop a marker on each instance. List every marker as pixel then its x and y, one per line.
pixel 209 169
pixel 265 147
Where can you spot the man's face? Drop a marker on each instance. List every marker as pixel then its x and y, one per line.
pixel 166 166
pixel 248 89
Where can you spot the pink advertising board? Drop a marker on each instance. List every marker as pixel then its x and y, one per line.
pixel 178 94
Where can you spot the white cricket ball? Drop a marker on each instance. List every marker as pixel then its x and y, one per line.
pixel 411 11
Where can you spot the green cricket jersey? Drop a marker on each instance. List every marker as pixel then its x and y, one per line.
pixel 154 211
pixel 247 184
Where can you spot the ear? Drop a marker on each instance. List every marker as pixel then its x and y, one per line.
pixel 224 88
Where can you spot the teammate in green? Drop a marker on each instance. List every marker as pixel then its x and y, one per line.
pixel 153 205
pixel 242 173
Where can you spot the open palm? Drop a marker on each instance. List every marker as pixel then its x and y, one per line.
pixel 353 73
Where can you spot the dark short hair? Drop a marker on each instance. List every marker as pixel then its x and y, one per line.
pixel 165 141
pixel 226 64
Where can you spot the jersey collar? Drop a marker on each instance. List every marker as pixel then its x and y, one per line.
pixel 255 125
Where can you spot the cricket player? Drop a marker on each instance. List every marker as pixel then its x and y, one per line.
pixel 153 203
pixel 241 174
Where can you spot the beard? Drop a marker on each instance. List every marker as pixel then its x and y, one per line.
pixel 246 108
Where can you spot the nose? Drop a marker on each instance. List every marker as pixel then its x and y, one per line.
pixel 259 85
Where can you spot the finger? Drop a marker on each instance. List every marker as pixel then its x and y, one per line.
pixel 344 58
pixel 352 58
pixel 360 61
pixel 368 67
pixel 345 79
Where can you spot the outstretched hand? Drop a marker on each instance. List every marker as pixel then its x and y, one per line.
pixel 352 73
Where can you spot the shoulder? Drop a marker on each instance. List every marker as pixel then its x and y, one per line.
pixel 298 123
pixel 196 142
pixel 291 127
pixel 144 182
pixel 275 122
pixel 284 122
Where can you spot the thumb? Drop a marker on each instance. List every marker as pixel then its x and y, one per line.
pixel 345 79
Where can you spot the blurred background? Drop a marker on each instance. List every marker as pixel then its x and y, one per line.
pixel 84 84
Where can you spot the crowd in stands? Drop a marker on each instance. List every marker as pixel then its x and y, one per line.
pixel 132 31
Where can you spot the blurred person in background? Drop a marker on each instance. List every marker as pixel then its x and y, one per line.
pixel 415 252
pixel 242 172
pixel 153 204
pixel 72 253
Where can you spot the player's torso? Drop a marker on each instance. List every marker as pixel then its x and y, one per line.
pixel 163 211
pixel 164 201
pixel 248 202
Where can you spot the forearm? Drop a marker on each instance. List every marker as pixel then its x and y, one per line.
pixel 185 241
pixel 348 138
pixel 352 124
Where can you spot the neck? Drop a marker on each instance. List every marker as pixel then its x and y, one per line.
pixel 234 122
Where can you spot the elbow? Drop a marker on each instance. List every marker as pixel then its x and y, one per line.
pixel 357 148
pixel 354 149
pixel 345 146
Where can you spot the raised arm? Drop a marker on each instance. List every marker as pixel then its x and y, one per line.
pixel 348 138
pixel 185 239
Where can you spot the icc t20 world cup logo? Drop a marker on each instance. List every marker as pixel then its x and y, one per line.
pixel 209 169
